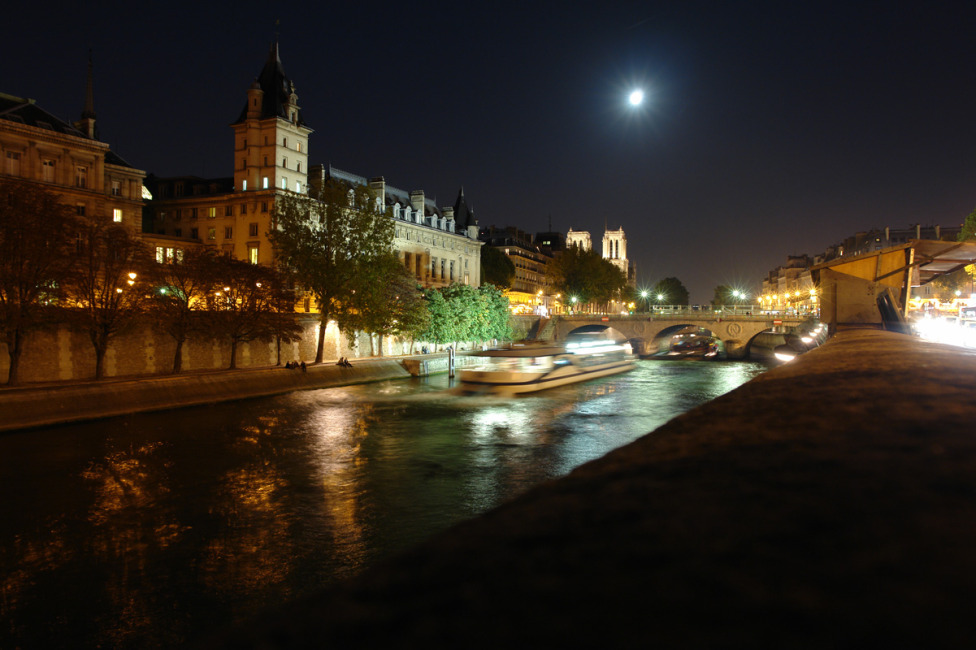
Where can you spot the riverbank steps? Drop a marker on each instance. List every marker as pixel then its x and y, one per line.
pixel 43 405
pixel 830 502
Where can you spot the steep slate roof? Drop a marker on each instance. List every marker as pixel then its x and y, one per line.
pixel 463 216
pixel 25 111
pixel 276 86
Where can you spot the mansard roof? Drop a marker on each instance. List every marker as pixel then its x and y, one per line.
pixel 277 88
pixel 25 111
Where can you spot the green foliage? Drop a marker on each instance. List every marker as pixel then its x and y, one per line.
pixel 496 268
pixel 463 313
pixel 673 291
pixel 330 242
pixel 36 258
pixel 947 285
pixel 586 276
pixel 968 231
pixel 386 301
pixel 723 295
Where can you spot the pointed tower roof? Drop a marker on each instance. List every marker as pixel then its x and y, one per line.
pixel 277 89
pixel 463 216
pixel 89 110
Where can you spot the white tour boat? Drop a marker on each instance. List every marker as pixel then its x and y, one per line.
pixel 589 352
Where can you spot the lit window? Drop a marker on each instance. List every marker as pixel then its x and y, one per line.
pixel 211 233
pixel 160 252
pixel 244 186
pixel 252 254
pixel 298 186
pixel 284 183
pixel 211 212
pixel 299 145
pixel 265 185
pixel 169 254
pixel 117 215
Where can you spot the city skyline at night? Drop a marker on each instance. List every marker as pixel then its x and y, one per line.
pixel 765 130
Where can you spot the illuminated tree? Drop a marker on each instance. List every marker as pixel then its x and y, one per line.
pixel 179 293
pixel 110 286
pixel 248 302
pixel 328 241
pixel 386 302
pixel 37 232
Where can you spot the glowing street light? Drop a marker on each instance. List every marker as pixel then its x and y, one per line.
pixel 636 97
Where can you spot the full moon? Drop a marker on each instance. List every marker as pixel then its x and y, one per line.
pixel 636 97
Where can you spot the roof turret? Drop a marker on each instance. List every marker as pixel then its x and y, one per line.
pixel 279 99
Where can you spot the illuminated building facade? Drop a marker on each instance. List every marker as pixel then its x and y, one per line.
pixel 271 158
pixel 37 147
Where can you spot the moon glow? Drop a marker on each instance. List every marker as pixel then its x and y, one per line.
pixel 636 97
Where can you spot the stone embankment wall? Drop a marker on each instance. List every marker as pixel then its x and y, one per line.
pixel 63 354
pixel 828 503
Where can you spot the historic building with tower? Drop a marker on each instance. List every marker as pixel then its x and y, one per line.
pixel 439 245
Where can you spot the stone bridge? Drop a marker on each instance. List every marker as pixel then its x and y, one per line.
pixel 648 333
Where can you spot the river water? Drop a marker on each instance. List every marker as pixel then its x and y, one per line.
pixel 151 530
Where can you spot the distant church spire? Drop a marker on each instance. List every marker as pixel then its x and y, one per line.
pixel 87 122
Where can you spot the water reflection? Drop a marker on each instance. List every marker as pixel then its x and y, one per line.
pixel 148 530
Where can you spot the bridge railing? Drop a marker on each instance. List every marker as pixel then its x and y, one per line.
pixel 702 312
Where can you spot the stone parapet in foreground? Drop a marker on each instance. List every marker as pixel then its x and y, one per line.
pixel 828 503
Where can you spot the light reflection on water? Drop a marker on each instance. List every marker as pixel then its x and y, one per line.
pixel 148 530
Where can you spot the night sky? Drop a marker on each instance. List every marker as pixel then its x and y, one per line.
pixel 769 129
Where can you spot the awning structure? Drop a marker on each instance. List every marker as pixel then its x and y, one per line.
pixel 874 287
pixel 925 259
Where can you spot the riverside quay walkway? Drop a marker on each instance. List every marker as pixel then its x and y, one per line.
pixel 830 502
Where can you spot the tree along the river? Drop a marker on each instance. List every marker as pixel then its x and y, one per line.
pixel 180 287
pixel 386 302
pixel 493 315
pixel 110 286
pixel 672 292
pixel 37 233
pixel 328 241
pixel 585 276
pixel 245 304
pixel 496 268
pixel 462 313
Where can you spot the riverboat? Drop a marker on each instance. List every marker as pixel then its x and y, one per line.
pixel 588 353
pixel 693 346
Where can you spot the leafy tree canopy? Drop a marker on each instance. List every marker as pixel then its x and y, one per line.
pixel 673 292
pixel 37 234
pixel 330 241
pixel 496 268
pixel 585 275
